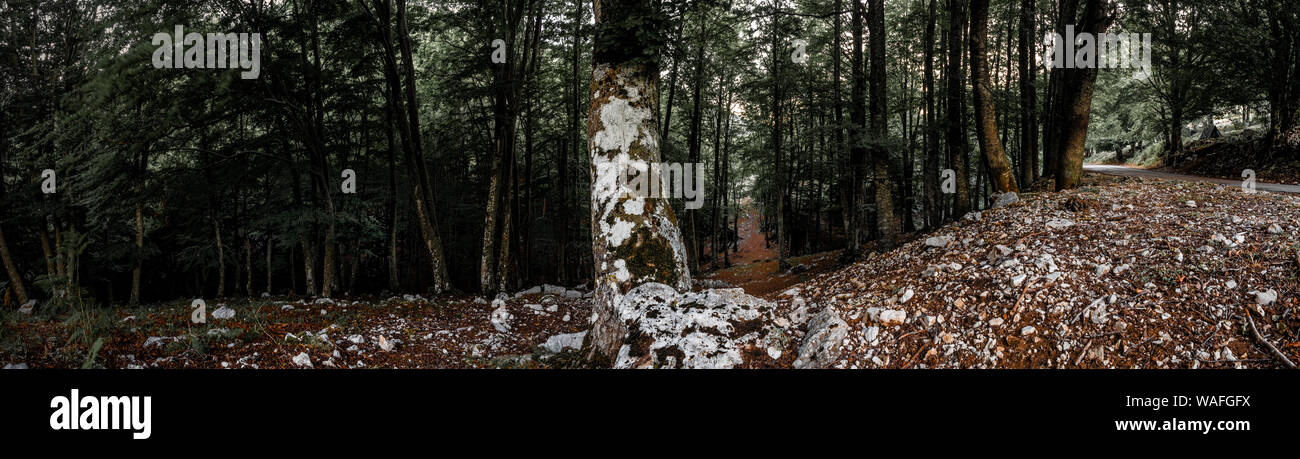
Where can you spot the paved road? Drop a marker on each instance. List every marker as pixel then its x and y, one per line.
pixel 1136 172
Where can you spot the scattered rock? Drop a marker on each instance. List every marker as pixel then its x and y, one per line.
pixel 15 366
pixel 1266 297
pixel 892 316
pixel 302 360
pixel 1006 199
pixel 821 346
pixel 385 344
pixel 26 308
pixel 501 317
pixel 1060 223
pixel 559 343
pixel 1027 330
pixel 223 313
pixel 938 241
pixel 996 321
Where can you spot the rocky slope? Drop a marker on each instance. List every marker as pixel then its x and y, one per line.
pixel 1121 273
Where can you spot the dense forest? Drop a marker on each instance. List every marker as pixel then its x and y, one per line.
pixel 452 147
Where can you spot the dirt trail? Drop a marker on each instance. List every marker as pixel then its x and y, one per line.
pixel 754 264
pixel 1139 172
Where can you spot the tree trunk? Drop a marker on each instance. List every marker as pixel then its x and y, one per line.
pixel 931 134
pixel 635 240
pixel 409 131
pixel 1000 174
pixel 1028 95
pixel 693 155
pixel 15 277
pixel 857 130
pixel 886 218
pixel 956 125
pixel 221 259
pixel 270 245
pixel 139 254
pixel 1076 104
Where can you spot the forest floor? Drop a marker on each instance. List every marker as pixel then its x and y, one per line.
pixel 1123 272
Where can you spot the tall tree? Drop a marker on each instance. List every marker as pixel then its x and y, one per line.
pixel 1073 112
pixel 931 134
pixel 998 166
pixel 956 122
pixel 1027 67
pixel 887 224
pixel 635 240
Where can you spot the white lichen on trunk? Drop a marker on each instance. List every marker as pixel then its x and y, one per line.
pixel 635 238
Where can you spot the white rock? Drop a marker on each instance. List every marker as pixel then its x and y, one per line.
pixel 385 344
pixel 872 333
pixel 1060 223
pixel 1028 330
pixel 1006 199
pixel 26 308
pixel 223 313
pixel 302 360
pixel 356 339
pixel 501 317
pixel 559 343
pixel 1231 284
pixel 1190 203
pixel 821 346
pixel 996 321
pixel 324 301
pixel 15 366
pixel 1266 297
pixel 1274 229
pixel 907 295
pixel 938 241
pixel 1018 279
pixel 1102 270
pixel 892 316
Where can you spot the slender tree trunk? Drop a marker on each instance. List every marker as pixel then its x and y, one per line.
pixel 956 124
pixel 931 166
pixel 270 246
pixel 139 254
pixel 15 277
pixel 693 155
pixel 422 187
pixel 221 259
pixel 1028 95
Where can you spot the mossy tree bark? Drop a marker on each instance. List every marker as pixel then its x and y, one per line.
pixel 635 239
